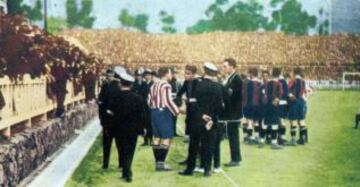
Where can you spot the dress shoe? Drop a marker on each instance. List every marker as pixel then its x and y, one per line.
pixel 186 173
pixel 183 163
pixel 232 164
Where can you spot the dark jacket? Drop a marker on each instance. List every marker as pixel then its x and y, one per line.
pixel 129 112
pixel 209 101
pixel 233 93
pixel 187 88
pixel 139 87
pixel 107 89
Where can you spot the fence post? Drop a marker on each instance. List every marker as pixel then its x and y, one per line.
pixel 28 123
pixel 44 117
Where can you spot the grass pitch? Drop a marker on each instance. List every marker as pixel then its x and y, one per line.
pixel 332 157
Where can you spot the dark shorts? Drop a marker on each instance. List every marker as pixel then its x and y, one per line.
pixel 297 110
pixel 272 114
pixel 162 123
pixel 253 113
pixel 283 111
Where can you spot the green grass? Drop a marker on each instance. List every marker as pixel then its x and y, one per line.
pixel 332 158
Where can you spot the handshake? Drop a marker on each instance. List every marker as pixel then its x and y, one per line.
pixel 209 121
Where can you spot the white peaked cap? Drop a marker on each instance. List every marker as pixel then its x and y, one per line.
pixel 126 77
pixel 119 70
pixel 210 66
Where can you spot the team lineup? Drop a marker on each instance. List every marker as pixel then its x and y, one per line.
pixel 260 101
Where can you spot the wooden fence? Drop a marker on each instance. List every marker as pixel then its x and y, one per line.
pixel 27 100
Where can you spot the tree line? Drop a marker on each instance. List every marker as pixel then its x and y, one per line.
pixel 287 16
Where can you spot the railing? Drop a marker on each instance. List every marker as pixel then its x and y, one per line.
pixel 27 100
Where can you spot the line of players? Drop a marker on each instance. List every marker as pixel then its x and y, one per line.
pixel 268 103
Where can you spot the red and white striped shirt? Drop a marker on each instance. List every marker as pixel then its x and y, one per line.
pixel 160 97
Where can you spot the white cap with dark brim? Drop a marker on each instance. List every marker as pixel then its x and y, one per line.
pixel 119 70
pixel 127 78
pixel 210 66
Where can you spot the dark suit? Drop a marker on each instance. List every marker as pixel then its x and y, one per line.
pixel 207 100
pixel 187 88
pixel 129 120
pixel 175 86
pixel 107 89
pixel 142 88
pixel 233 111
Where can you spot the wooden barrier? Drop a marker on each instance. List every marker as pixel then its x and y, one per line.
pixel 27 100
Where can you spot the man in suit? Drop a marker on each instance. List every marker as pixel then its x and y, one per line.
pixel 207 107
pixel 233 109
pixel 187 88
pixel 147 83
pixel 128 111
pixel 175 87
pixel 107 89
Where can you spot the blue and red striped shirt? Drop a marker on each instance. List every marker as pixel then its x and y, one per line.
pixel 297 88
pixel 251 92
pixel 273 89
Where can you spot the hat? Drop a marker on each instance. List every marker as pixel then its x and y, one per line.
pixel 127 78
pixel 210 66
pixel 118 70
pixel 139 72
pixel 148 72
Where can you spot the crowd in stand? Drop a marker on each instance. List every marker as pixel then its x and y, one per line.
pixel 321 57
pixel 27 49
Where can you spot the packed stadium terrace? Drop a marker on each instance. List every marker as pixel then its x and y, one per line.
pixel 322 57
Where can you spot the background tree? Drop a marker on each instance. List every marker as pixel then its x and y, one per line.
pixel 290 18
pixel 18 7
pixel 323 27
pixel 167 21
pixel 138 22
pixel 79 16
pixel 287 16
pixel 241 16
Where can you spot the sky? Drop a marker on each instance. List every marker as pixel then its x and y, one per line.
pixel 186 12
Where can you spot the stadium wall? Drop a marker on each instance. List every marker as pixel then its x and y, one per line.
pixel 29 149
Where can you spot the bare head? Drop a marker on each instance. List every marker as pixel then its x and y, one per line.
pixel 229 65
pixel 190 71
pixel 165 73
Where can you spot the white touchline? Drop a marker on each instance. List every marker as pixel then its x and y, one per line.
pixel 222 172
